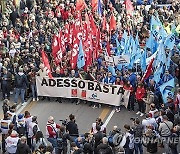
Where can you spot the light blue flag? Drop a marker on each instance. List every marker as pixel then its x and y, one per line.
pixel 123 41
pixel 81 58
pixel 143 61
pixel 157 74
pixel 157 29
pixel 170 41
pixel 168 60
pixel 152 44
pixel 112 70
pixel 161 56
pixel 99 8
pixel 167 89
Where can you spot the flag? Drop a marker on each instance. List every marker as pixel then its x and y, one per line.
pixel 112 70
pixel 129 7
pixel 94 4
pixel 148 71
pixel 81 57
pixel 170 41
pixel 167 89
pixel 93 26
pixel 152 44
pixel 104 27
pixel 161 55
pixel 123 41
pixel 143 61
pixel 74 54
pixel 112 23
pixel 118 46
pixel 168 60
pixel 157 29
pixel 99 9
pixel 80 5
pixel 157 74
pixel 46 63
pixel 56 51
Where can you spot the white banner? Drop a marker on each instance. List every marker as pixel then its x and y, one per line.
pixel 82 89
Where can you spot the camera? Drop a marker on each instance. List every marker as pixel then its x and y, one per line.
pixel 64 122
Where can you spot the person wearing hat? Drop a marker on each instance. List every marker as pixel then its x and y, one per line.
pixel 21 83
pixel 12 142
pixel 6 79
pixel 21 125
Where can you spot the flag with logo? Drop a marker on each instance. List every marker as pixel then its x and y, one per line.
pixel 167 89
pixel 170 41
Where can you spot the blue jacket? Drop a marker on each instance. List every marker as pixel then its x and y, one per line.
pixel 132 79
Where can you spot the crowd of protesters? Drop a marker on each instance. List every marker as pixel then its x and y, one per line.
pixel 27 29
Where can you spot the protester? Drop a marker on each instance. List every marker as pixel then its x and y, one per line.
pixel 22 147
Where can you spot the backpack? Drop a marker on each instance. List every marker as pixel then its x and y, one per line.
pixel 20 79
pixel 21 130
pixel 129 141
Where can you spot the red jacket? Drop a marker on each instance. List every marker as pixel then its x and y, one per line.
pixel 140 93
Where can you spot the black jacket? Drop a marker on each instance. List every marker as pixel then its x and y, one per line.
pixel 105 148
pixel 72 128
pixel 98 138
pixel 23 148
pixel 21 84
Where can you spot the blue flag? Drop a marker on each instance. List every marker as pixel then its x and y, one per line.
pixel 170 41
pixel 99 8
pixel 118 47
pixel 167 89
pixel 143 61
pixel 161 56
pixel 152 44
pixel 157 74
pixel 81 58
pixel 112 70
pixel 123 41
pixel 157 29
pixel 168 60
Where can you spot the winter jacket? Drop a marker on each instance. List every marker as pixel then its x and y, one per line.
pixel 23 148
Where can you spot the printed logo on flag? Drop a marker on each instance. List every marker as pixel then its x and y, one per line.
pixel 74 92
pixel 83 94
pixel 94 96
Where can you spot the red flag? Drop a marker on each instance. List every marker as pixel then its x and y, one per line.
pixel 74 54
pixel 104 27
pixel 56 49
pixel 46 63
pixel 129 7
pixel 112 23
pixel 148 71
pixel 93 26
pixel 80 5
pixel 94 4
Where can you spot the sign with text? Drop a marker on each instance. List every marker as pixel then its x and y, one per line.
pixel 82 89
